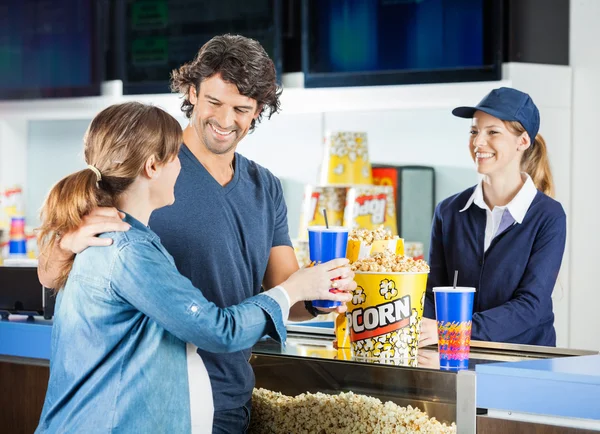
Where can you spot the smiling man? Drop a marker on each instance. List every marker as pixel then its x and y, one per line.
pixel 228 228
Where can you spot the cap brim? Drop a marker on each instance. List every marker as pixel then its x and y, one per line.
pixel 469 112
pixel 464 112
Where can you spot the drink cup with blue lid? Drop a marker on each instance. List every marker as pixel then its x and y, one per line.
pixel 454 315
pixel 325 244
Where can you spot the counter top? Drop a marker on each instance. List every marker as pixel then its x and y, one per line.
pixel 584 369
pixel 22 336
pixel 509 377
pixel 567 387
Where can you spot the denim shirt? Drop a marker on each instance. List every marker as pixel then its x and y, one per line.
pixel 118 357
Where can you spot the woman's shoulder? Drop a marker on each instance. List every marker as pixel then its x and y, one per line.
pixel 546 207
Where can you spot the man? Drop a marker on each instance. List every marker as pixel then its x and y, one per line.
pixel 227 230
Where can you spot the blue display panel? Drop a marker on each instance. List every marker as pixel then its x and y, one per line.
pixel 50 48
pixel 361 42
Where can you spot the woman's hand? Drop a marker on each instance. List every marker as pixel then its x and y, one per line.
pixel 315 283
pixel 429 333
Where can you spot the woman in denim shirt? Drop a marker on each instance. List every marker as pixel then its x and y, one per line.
pixel 124 314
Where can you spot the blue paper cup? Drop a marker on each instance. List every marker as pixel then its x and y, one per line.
pixel 454 314
pixel 325 244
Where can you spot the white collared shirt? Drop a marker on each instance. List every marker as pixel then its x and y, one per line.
pixel 517 207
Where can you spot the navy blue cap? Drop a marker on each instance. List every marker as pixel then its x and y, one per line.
pixel 507 104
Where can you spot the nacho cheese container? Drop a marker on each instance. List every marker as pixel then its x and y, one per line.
pixel 370 206
pixel 384 316
pixel 346 159
pixel 333 199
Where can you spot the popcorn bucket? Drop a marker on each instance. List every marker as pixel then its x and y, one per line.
pixel 384 316
pixel 371 206
pixel 346 159
pixel 333 199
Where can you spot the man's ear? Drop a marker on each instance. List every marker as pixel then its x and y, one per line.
pixel 150 167
pixel 193 95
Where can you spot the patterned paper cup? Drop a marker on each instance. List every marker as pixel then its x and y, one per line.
pixel 454 313
pixel 384 316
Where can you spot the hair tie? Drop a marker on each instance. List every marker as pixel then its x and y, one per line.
pixel 96 171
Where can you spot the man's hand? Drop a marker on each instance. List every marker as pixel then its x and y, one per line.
pixel 429 333
pixel 100 220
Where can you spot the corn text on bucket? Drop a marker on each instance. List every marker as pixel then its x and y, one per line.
pixel 384 315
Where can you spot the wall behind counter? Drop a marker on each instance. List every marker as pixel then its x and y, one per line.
pixel 288 145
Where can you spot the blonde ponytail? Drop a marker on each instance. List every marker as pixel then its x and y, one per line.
pixel 535 161
pixel 118 142
pixel 68 202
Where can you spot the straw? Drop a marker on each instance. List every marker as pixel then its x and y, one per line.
pixel 455 278
pixel 325 215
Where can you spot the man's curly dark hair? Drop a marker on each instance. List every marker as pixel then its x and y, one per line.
pixel 241 61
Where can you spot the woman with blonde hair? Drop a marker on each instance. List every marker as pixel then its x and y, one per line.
pixel 505 236
pixel 119 360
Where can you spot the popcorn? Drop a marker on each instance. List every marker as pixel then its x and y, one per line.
pixel 275 413
pixel 388 262
pixel 363 243
pixel 368 236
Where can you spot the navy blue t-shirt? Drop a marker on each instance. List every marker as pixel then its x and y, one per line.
pixel 221 238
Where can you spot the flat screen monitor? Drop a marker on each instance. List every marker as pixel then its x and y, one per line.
pixel 20 291
pixel 156 37
pixel 364 42
pixel 50 48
